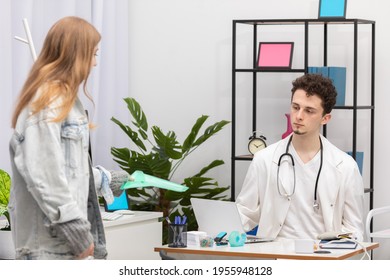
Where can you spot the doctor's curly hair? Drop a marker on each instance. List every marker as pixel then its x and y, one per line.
pixel 316 84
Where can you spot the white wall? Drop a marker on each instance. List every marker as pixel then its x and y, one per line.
pixel 180 68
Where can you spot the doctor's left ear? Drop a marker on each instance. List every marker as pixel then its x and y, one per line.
pixel 326 119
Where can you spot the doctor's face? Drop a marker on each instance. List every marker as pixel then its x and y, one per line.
pixel 307 113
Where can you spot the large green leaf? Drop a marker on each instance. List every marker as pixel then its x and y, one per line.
pixel 210 131
pixel 167 145
pixel 213 164
pixel 122 157
pixel 139 116
pixel 202 187
pixel 189 141
pixel 199 186
pixel 131 133
pixel 5 188
pixel 151 164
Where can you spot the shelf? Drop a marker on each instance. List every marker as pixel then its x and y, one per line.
pixel 303 21
pixel 243 157
pixel 363 107
pixel 271 70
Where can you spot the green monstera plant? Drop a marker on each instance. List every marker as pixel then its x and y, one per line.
pixel 5 187
pixel 161 156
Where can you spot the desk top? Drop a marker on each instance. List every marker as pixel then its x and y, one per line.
pixel 139 216
pixel 278 249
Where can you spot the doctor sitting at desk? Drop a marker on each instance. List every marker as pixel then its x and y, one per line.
pixel 303 185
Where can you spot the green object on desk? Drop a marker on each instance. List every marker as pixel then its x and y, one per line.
pixel 237 239
pixel 142 180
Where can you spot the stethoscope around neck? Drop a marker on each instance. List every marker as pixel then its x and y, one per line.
pixel 316 205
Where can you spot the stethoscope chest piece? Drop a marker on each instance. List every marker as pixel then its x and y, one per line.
pixel 316 206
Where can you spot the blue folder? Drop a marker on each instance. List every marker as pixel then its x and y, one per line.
pixel 338 75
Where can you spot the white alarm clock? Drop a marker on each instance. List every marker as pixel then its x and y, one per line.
pixel 256 143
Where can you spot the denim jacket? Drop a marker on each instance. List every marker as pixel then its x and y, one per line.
pixel 53 182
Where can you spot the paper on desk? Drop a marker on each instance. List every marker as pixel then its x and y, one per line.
pixel 142 180
pixel 194 237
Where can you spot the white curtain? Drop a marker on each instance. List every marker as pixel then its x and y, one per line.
pixel 108 81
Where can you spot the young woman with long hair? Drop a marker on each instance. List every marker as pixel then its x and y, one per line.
pixel 53 205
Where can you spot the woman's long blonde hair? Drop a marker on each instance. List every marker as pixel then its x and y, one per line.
pixel 63 64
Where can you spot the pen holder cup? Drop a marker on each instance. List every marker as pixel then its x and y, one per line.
pixel 177 235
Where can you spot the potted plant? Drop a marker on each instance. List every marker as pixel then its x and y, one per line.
pixel 7 250
pixel 161 156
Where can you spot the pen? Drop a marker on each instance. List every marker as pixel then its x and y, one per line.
pixel 177 220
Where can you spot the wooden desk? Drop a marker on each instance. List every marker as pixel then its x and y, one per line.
pixel 278 249
pixel 133 237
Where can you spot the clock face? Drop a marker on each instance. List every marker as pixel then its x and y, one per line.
pixel 255 145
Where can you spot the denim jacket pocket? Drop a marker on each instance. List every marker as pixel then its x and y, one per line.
pixel 73 141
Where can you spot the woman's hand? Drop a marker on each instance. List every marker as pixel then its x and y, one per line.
pixel 87 253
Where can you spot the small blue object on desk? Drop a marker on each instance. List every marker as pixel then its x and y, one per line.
pixel 206 241
pixel 237 239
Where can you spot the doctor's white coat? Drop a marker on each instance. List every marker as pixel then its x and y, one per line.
pixel 340 192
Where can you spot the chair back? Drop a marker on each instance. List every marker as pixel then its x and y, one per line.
pixel 374 212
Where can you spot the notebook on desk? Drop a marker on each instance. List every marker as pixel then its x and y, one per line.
pixel 214 216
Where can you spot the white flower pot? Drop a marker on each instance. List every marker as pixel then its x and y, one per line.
pixel 7 249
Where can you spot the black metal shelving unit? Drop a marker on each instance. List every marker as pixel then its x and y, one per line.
pixel 257 24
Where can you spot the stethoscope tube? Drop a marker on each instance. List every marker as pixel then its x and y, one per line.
pixel 316 206
pixel 287 154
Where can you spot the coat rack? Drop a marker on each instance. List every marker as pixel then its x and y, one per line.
pixel 29 40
